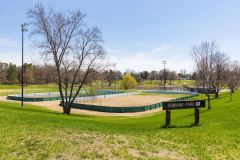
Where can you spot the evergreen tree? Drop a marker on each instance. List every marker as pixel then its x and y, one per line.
pixel 12 74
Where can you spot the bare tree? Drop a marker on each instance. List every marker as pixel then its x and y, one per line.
pixel 136 75
pixel 161 76
pixel 221 64
pixel 172 76
pixel 74 48
pixel 233 75
pixel 144 75
pixel 152 76
pixel 204 57
pixel 109 76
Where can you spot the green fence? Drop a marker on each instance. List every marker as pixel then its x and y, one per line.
pixel 126 109
pixel 33 99
pixel 49 98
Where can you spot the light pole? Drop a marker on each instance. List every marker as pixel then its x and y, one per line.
pixel 164 75
pixel 114 64
pixel 23 29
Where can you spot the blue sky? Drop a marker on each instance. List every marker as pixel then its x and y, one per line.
pixel 138 34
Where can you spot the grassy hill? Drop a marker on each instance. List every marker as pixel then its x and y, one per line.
pixel 34 133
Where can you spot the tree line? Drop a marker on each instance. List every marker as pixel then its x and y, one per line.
pixel 33 74
pixel 46 74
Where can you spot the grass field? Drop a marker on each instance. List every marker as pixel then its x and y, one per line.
pixel 40 88
pixel 16 89
pixel 34 133
pixel 147 83
pixel 176 83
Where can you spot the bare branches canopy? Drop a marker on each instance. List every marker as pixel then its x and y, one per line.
pixel 211 67
pixel 75 48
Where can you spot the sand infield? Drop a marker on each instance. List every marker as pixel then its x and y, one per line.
pixel 128 100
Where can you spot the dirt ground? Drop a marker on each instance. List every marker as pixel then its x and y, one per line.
pixel 128 100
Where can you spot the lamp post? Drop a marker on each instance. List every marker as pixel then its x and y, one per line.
pixel 114 64
pixel 164 75
pixel 23 29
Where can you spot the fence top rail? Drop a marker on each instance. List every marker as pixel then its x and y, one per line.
pixel 170 92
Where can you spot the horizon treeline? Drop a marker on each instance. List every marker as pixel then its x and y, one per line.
pixel 45 74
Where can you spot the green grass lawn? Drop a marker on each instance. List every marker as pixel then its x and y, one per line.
pixel 34 133
pixel 146 83
pixel 175 83
pixel 40 88
pixel 163 95
pixel 16 89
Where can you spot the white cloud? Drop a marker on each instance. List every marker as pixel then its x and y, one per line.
pixel 163 48
pixel 177 58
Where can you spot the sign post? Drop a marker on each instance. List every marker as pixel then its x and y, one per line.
pixel 168 117
pixel 168 106
pixel 196 116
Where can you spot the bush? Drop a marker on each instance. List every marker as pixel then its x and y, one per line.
pixel 128 81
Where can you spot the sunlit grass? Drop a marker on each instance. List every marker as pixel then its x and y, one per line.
pixel 33 133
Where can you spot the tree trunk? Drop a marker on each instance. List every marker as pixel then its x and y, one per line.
pixel 109 83
pixel 67 112
pixel 232 90
pixel 216 94
pixel 231 96
pixel 69 109
pixel 209 102
pixel 66 108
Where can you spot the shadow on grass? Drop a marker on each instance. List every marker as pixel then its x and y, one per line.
pixel 174 126
pixel 35 109
pixel 24 108
pixel 32 109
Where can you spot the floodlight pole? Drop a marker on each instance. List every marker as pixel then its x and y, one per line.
pixel 23 29
pixel 115 75
pixel 164 75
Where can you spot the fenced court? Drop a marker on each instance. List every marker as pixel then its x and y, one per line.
pixel 113 101
pixel 132 103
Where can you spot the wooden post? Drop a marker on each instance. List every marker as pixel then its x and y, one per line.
pixel 196 116
pixel 168 117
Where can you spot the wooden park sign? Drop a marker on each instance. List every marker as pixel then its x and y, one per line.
pixel 168 106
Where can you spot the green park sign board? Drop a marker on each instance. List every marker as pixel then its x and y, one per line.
pixel 183 105
pixel 168 106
